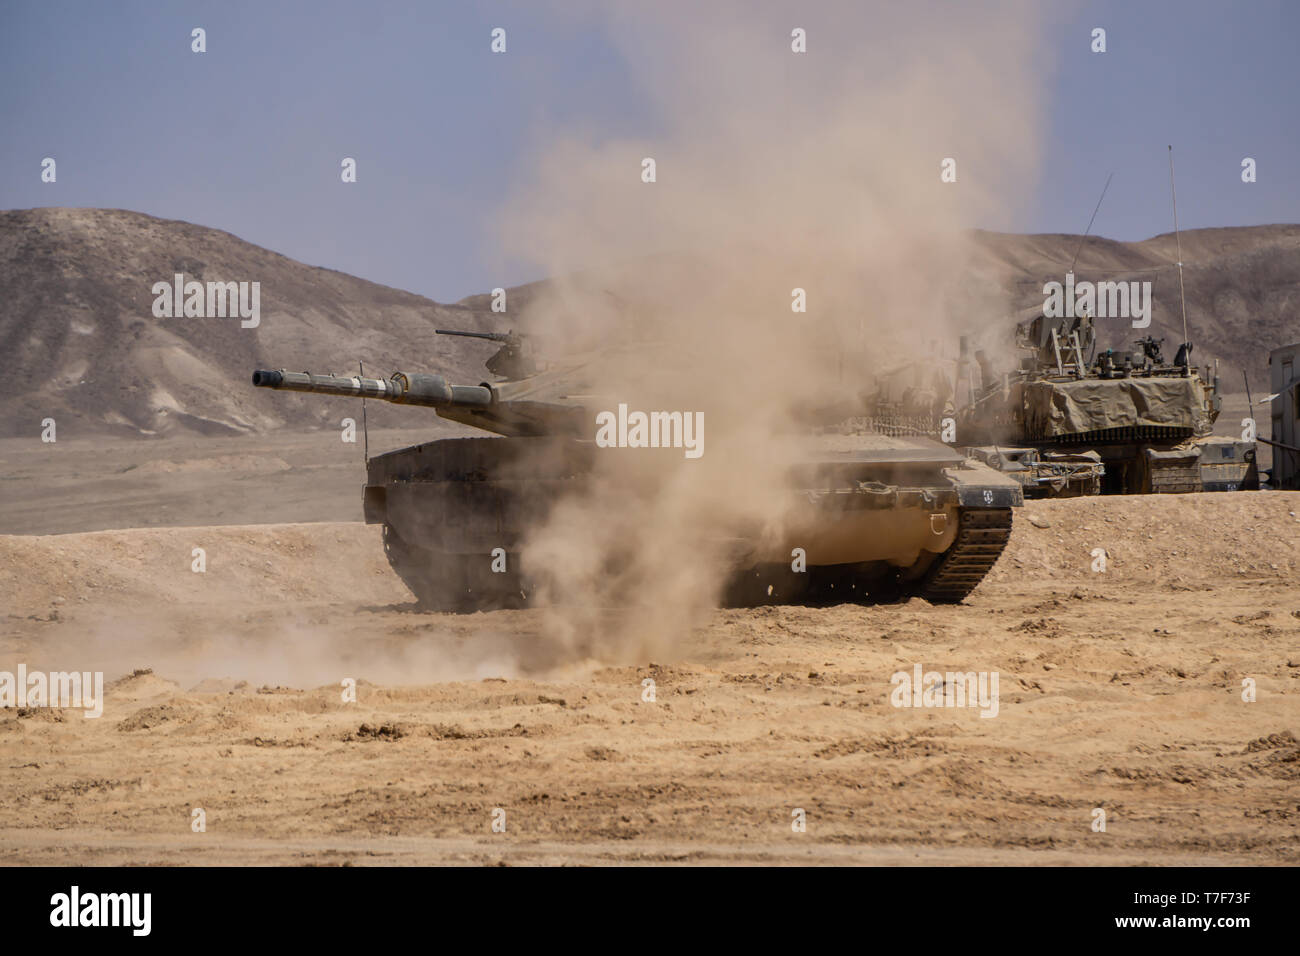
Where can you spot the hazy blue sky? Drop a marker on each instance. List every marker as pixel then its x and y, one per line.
pixel 248 136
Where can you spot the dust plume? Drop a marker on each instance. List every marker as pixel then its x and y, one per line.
pixel 299 648
pixel 774 171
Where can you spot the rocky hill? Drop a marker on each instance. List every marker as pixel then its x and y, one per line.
pixel 83 345
pixel 1242 287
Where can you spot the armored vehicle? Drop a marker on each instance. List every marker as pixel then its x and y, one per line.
pixel 866 514
pixel 1073 421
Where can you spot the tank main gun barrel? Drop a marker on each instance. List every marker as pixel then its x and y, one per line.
pixel 404 388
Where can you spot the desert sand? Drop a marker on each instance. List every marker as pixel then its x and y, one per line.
pixel 1120 690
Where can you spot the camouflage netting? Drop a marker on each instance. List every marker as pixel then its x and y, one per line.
pixel 1054 410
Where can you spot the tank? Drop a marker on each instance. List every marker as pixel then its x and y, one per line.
pixel 873 515
pixel 1069 420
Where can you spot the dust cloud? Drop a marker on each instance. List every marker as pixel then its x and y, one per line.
pixel 201 648
pixel 773 171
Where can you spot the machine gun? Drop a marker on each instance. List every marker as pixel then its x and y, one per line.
pixel 514 360
pixel 1150 347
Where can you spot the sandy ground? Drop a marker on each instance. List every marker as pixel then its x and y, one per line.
pixel 1119 690
pixel 91 484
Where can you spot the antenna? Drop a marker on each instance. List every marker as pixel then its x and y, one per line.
pixel 1182 297
pixel 1079 247
pixel 365 426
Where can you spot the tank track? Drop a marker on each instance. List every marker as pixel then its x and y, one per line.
pixel 982 534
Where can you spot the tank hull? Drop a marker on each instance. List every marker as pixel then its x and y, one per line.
pixel 868 520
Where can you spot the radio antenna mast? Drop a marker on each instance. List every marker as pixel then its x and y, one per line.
pixel 1079 247
pixel 1182 296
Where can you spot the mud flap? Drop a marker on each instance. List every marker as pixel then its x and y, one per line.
pixel 374 504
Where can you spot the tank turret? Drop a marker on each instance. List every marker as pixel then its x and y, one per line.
pixel 1127 422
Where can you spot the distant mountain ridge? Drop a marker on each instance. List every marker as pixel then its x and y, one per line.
pixel 83 346
pixel 1242 287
